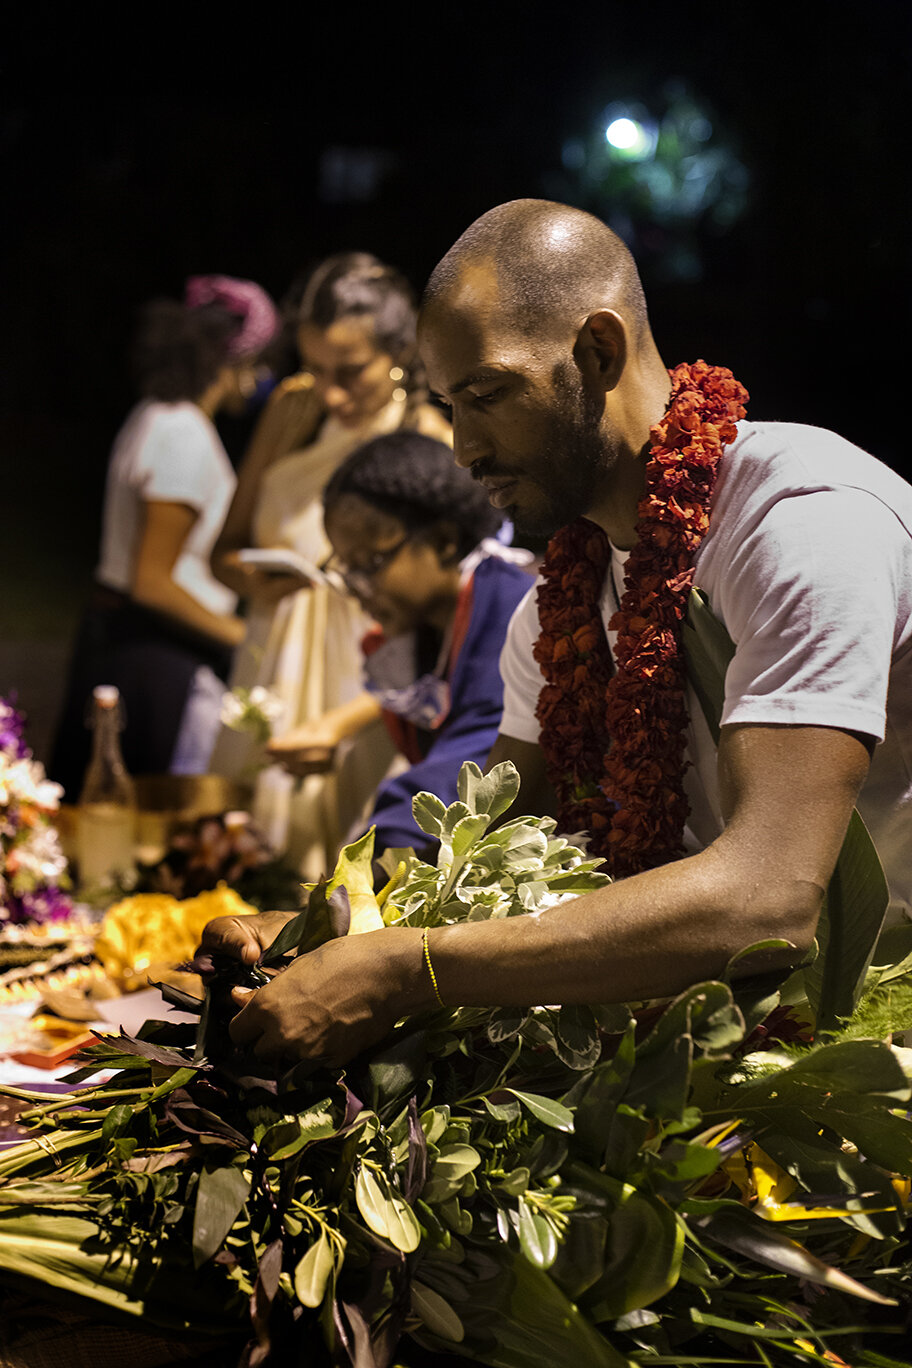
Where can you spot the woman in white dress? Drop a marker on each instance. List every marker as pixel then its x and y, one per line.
pixel 360 379
pixel 159 625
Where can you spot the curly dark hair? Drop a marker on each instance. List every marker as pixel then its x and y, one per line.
pixel 359 285
pixel 414 479
pixel 177 351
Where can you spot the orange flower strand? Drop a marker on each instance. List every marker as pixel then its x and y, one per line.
pixel 614 741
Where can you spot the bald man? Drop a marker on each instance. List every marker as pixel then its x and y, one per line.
pixel 534 331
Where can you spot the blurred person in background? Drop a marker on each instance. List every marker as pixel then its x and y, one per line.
pixel 360 379
pixel 413 539
pixel 159 625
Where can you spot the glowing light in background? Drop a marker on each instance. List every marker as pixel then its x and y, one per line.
pixel 630 133
pixel 665 174
pixel 623 133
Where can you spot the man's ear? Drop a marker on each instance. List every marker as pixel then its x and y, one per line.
pixel 601 349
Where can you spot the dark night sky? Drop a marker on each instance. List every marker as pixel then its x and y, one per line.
pixel 131 162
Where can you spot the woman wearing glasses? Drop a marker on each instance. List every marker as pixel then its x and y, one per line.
pixel 360 379
pixel 412 538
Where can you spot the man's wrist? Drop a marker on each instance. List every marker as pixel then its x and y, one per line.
pixel 410 986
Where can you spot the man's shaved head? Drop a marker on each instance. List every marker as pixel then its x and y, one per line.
pixel 552 264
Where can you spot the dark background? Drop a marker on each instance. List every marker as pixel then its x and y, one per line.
pixel 197 141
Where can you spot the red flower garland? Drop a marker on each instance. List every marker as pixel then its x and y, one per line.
pixel 614 742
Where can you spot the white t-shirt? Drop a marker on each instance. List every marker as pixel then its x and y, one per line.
pixel 169 453
pixel 808 563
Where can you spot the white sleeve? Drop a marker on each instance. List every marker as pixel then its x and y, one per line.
pixel 176 461
pixel 812 599
pixel 522 678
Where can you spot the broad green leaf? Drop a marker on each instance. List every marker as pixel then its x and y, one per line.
pixel 355 874
pixel 869 1067
pixel 467 781
pixel 492 793
pixel 454 814
pixel 738 1229
pixel 437 1314
pixel 502 1111
pixel 758 948
pixel 506 1024
pixel 850 923
pixel 536 1237
pixel 597 1095
pixel 455 1161
pixel 68 1252
pixel 545 1109
pixel 708 651
pixel 455 1217
pixel 172 1083
pixel 385 1211
pixel 116 1122
pixel 623 1139
pixel 466 832
pixel 578 1041
pixel 312 1272
pixel 428 813
pixel 434 1122
pixel 221 1192
pixel 540 1327
pixel 515 1183
pixel 866 1068
pixel 323 919
pixel 643 1251
pixel 371 1202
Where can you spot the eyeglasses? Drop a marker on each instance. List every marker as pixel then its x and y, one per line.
pixel 359 579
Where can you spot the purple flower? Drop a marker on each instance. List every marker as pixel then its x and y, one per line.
pixel 42 905
pixel 12 731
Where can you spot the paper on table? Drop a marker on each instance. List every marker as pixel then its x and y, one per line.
pixel 128 1013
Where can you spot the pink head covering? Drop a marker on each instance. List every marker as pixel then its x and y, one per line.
pixel 258 316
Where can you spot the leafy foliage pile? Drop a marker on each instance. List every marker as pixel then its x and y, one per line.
pixel 520 1188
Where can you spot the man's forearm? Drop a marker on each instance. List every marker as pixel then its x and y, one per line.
pixel 648 936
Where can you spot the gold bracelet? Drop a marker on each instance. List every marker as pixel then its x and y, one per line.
pixel 430 967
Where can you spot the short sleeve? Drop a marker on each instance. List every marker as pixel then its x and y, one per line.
pixel 811 600
pixel 522 678
pixel 177 461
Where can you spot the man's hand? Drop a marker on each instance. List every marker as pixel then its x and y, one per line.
pixel 329 1005
pixel 243 938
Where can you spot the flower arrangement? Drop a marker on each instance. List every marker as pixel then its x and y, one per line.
pixel 33 868
pixel 614 741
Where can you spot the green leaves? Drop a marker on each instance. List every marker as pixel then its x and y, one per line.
pixel 546 1110
pixel 220 1194
pixel 385 1211
pixel 742 1232
pixel 312 1272
pixel 850 923
pixel 436 1313
pixel 558 1173
pixel 537 1239
pixel 493 793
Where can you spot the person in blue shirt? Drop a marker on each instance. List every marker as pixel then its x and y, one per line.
pixel 414 539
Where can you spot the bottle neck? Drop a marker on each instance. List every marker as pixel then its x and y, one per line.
pixel 106 778
pixel 106 740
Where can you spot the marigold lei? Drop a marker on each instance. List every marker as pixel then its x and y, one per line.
pixel 614 742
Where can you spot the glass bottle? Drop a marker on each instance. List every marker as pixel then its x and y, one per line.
pixel 107 803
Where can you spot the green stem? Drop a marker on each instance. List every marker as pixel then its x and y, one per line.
pixel 63 1105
